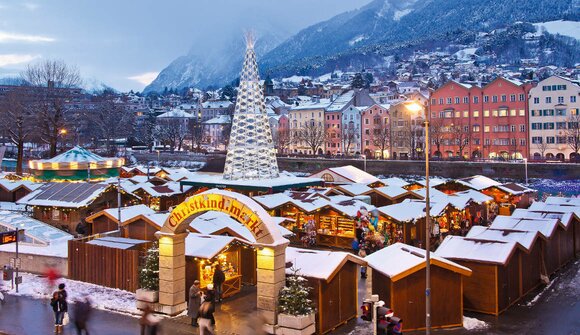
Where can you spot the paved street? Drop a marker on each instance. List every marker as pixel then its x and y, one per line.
pixel 556 311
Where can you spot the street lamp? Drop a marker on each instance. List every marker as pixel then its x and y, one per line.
pixel 416 108
pixel 526 167
pixel 364 157
pixel 158 163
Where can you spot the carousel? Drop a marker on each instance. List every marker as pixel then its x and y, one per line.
pixel 76 164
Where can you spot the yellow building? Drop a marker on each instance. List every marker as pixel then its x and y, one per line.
pixel 306 122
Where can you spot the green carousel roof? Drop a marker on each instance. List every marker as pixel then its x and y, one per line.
pixel 76 164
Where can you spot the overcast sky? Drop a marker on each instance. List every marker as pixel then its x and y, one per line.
pixel 125 43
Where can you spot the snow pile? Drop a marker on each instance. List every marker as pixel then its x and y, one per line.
pixel 103 298
pixel 474 324
pixel 539 295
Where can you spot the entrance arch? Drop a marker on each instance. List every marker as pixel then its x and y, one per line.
pixel 270 245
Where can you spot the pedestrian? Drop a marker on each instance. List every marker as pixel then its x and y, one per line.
pixel 210 297
pixel 218 281
pixel 148 322
pixel 83 310
pixel 194 302
pixel 205 318
pixel 60 307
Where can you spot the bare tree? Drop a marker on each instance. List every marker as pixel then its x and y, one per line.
pixel 436 134
pixel 110 121
pixel 172 131
pixel 15 120
pixel 381 135
pixel 282 140
pixel 196 134
pixel 146 130
pixel 312 134
pixel 573 132
pixel 459 137
pixel 55 78
pixel 542 147
pixel 348 137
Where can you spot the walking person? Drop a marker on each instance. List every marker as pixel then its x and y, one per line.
pixel 83 310
pixel 206 310
pixel 60 307
pixel 194 303
pixel 218 281
pixel 148 322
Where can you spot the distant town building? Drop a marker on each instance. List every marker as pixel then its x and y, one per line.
pixel 554 111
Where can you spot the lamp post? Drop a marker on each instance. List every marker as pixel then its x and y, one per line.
pixel 364 157
pixel 158 162
pixel 526 167
pixel 415 107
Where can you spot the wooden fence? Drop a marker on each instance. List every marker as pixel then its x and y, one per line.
pixel 111 267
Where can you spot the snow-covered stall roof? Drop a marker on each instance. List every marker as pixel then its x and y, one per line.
pixel 400 260
pixel 433 193
pixel 76 154
pixel 350 174
pixel 390 191
pixel 515 189
pixel 12 185
pixel 463 248
pixel 207 246
pixel 68 195
pixel 36 232
pixel 411 210
pixel 271 201
pixel 563 201
pixel 556 208
pixel 475 196
pixel 354 189
pixel 565 218
pixel 127 213
pixel 478 182
pixel 525 238
pixel 283 182
pixel 117 242
pixel 320 264
pixel 546 227
pixel 395 181
pixel 433 181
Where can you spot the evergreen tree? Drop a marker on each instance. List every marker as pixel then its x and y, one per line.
pixel 358 81
pixel 149 273
pixel 293 299
pixel 368 79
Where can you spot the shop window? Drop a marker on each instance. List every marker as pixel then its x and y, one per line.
pixel 55 215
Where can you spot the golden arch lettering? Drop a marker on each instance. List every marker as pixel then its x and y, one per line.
pixel 217 202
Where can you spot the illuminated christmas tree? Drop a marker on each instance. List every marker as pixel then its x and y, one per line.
pixel 251 153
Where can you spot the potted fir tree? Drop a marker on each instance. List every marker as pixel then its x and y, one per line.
pixel 296 315
pixel 149 276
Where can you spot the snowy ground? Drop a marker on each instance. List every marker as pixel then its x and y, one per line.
pixel 468 324
pixel 103 298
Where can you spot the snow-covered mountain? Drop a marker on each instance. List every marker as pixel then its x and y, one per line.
pixel 213 64
pixel 384 25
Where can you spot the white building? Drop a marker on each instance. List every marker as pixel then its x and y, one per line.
pixel 554 111
pixel 351 130
pixel 216 131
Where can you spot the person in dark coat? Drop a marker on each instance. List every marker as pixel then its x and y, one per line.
pixel 219 278
pixel 206 323
pixel 194 302
pixel 83 310
pixel 60 307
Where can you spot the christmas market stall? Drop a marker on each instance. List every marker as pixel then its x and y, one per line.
pixel 134 222
pixel 347 174
pixel 388 195
pixel 77 164
pixel 405 222
pixel 531 267
pixel 64 205
pixel 510 196
pixel 556 248
pixel 204 252
pixel 334 277
pixel 398 271
pixel 567 210
pixel 162 197
pixel 495 283
pixel 14 190
pixel 107 260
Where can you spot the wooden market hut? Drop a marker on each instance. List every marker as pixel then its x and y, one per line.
pixel 65 204
pixel 567 210
pixel 397 275
pixel 405 221
pixel 333 276
pixel 388 195
pixel 14 190
pixel 162 197
pixel 532 268
pixel 496 280
pixel 558 248
pixel 204 252
pixel 347 174
pixel 137 222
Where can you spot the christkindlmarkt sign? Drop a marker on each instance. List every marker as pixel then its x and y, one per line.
pixel 217 202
